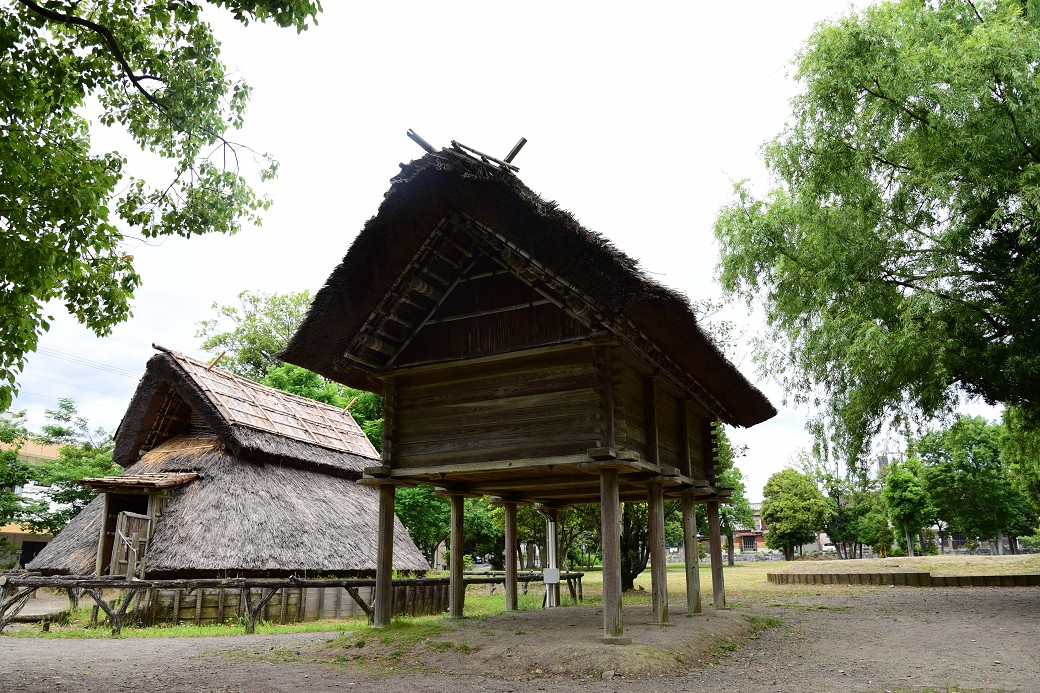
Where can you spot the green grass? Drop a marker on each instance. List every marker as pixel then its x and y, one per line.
pixel 746 587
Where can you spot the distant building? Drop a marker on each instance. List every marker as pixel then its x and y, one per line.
pixel 752 538
pixel 26 543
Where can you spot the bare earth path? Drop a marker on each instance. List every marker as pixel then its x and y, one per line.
pixel 832 639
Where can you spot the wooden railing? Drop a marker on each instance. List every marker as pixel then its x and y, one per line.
pixel 415 596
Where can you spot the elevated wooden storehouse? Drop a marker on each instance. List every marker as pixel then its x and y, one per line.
pixel 227 478
pixel 524 357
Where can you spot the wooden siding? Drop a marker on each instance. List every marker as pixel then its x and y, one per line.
pixel 489 313
pixel 696 431
pixel 629 399
pixel 667 428
pixel 527 407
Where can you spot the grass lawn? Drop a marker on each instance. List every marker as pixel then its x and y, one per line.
pixel 746 587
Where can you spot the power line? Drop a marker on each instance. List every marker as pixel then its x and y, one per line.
pixel 78 387
pixel 116 370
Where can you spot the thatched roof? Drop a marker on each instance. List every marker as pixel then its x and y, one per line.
pixel 348 334
pixel 178 395
pixel 242 518
pixel 140 483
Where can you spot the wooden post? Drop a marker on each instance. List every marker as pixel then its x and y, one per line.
pixel 658 564
pixel 693 556
pixel 718 587
pixel 552 556
pixel 99 564
pixel 610 517
pixel 510 556
pixel 457 596
pixel 382 608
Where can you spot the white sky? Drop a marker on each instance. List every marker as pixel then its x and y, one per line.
pixel 638 119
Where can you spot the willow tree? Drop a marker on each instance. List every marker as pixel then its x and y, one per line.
pixel 153 70
pixel 897 253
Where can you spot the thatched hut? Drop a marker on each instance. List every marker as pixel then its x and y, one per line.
pixel 523 356
pixel 227 478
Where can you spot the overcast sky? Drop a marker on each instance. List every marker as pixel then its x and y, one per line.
pixel 639 118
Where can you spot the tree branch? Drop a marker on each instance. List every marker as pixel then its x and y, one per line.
pixel 110 40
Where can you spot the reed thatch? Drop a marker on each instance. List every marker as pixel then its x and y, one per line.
pixel 497 208
pixel 242 518
pixel 239 502
pixel 179 394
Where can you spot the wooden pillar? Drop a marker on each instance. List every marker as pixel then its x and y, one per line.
pixel 693 556
pixel 551 572
pixel 510 556
pixel 382 608
pixel 457 594
pixel 99 563
pixel 718 587
pixel 658 559
pixel 610 517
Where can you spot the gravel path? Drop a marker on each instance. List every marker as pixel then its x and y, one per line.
pixel 869 639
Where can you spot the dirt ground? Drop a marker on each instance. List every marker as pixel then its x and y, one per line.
pixel 831 639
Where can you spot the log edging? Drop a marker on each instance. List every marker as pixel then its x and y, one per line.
pixel 908 579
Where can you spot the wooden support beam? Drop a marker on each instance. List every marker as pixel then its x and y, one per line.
pixel 653 451
pixel 382 607
pixel 692 550
pixel 658 560
pixel 685 458
pixel 99 564
pixel 551 576
pixel 718 587
pixel 510 556
pixel 610 518
pixel 457 594
pixel 603 360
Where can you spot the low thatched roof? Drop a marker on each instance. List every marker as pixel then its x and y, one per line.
pixel 179 394
pixel 347 335
pixel 242 518
pixel 260 482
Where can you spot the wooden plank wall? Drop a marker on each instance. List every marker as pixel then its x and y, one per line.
pixel 289 605
pixel 531 407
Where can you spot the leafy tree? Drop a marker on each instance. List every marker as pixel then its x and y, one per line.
pixel 83 453
pixel 152 69
pixel 481 536
pixel 906 499
pixel 252 333
pixel 426 516
pixel 968 483
pixel 897 255
pixel 873 528
pixel 1020 450
pixel 14 472
pixel 367 410
pixel 793 511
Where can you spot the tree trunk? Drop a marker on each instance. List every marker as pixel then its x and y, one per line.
pixel 909 544
pixel 729 549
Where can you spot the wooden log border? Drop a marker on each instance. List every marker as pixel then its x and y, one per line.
pixel 417 596
pixel 915 579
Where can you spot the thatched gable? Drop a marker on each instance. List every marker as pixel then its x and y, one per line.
pixel 239 480
pixel 442 214
pixel 241 518
pixel 179 395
